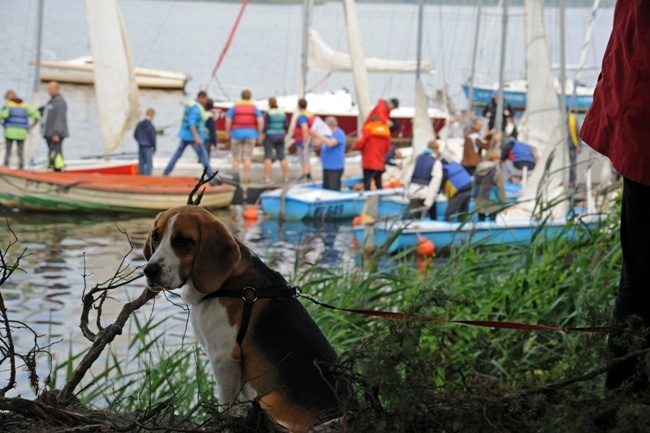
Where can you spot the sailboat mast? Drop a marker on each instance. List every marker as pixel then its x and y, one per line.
pixel 307 7
pixel 563 106
pixel 470 94
pixel 498 124
pixel 39 40
pixel 419 43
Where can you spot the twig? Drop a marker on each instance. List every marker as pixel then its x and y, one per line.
pixel 197 201
pixel 104 337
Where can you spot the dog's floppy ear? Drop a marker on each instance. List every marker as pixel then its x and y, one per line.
pixel 216 258
pixel 149 248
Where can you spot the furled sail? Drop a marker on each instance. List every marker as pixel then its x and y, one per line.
pixel 324 58
pixel 118 98
pixel 543 120
pixel 359 70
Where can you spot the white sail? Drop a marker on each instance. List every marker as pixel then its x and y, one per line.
pixel 118 98
pixel 422 129
pixel 322 57
pixel 543 128
pixel 359 72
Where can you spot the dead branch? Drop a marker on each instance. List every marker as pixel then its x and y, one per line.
pixel 103 338
pixel 35 409
pixel 197 201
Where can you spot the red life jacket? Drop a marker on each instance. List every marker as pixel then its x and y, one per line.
pixel 244 116
pixel 297 132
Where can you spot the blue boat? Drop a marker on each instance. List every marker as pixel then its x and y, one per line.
pixel 515 93
pixel 400 235
pixel 311 201
pixel 391 205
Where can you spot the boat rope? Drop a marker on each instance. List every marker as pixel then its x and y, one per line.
pixel 230 38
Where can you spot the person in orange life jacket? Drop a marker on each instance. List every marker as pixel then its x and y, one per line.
pixel 210 136
pixel 383 109
pixel 302 137
pixel 516 155
pixel 374 144
pixel 457 186
pixel 475 143
pixel 15 117
pixel 332 156
pixel 55 126
pixel 425 182
pixel 145 136
pixel 247 125
pixel 275 130
pixel 192 133
pixel 617 126
pixel 489 188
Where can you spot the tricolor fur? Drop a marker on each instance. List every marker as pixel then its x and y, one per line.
pixel 284 361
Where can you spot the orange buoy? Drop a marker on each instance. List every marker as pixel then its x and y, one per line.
pixel 425 248
pixel 250 214
pixel 356 220
pixel 355 244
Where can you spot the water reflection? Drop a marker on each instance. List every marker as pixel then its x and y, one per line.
pixel 65 254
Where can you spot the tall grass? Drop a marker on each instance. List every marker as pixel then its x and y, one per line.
pixel 402 366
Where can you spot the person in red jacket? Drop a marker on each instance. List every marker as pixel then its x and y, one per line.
pixel 374 145
pixel 617 126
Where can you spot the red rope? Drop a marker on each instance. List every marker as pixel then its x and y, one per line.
pixel 230 38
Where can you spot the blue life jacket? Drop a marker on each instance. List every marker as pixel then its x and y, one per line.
pixel 457 179
pixel 521 152
pixel 17 118
pixel 422 170
pixel 277 120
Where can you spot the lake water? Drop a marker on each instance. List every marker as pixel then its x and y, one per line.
pixel 188 36
pixel 65 253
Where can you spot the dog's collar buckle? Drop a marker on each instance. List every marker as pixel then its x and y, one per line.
pixel 249 294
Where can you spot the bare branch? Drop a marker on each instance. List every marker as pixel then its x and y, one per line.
pixel 197 201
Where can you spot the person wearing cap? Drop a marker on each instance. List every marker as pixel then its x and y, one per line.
pixel 425 181
pixel 489 187
pixel 490 110
pixel 383 109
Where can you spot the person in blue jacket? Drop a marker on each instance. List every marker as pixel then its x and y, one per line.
pixel 332 156
pixel 516 156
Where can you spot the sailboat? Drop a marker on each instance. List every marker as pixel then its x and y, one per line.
pixel 577 95
pixel 542 208
pixel 348 110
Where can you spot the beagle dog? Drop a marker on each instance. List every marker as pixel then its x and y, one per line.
pixel 274 352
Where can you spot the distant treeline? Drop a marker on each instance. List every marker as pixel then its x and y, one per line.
pixel 551 3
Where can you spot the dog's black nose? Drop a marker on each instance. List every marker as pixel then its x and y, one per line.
pixel 152 271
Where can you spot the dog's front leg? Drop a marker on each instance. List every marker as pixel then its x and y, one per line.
pixel 227 373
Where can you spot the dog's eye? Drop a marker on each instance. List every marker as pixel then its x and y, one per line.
pixel 155 239
pixel 181 242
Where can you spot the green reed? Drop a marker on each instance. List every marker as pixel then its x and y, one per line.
pixel 555 282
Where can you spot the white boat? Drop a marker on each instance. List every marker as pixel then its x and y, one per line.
pixel 80 70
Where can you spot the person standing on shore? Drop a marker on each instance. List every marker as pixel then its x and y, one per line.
pixel 275 129
pixel 191 133
pixel 210 139
pixel 332 155
pixel 374 144
pixel 15 117
pixel 55 126
pixel 145 136
pixel 617 126
pixel 244 128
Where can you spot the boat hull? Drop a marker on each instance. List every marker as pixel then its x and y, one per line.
pixel 310 201
pixel 483 95
pixel 65 192
pixel 79 71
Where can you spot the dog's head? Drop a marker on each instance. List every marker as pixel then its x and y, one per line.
pixel 189 243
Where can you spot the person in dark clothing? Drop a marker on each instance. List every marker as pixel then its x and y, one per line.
pixel 55 126
pixel 145 135
pixel 490 111
pixel 211 128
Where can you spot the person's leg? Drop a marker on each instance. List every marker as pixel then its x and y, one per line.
pixel 8 145
pixel 463 209
pixel 148 161
pixel 453 207
pixel 249 144
pixel 338 174
pixel 268 158
pixel 176 156
pixel 572 163
pixel 279 152
pixel 328 179
pixel 203 157
pixel 481 216
pixel 236 147
pixel 142 163
pixel 367 179
pixel 377 176
pixel 305 158
pixel 58 155
pixel 20 146
pixel 50 152
pixel 634 286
